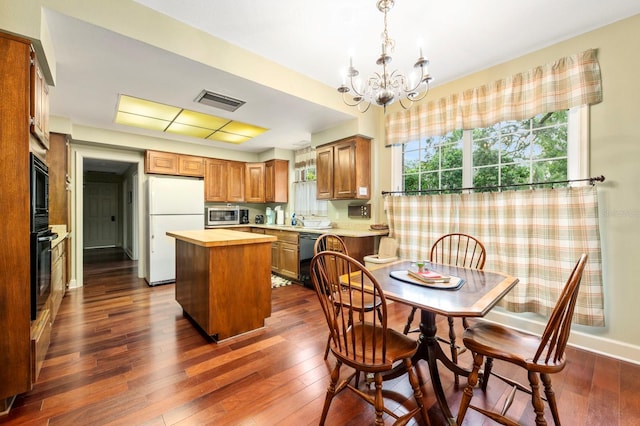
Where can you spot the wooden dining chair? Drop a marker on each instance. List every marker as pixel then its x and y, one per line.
pixel 460 250
pixel 538 355
pixel 364 343
pixel 332 242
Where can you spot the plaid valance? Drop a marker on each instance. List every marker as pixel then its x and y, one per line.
pixel 570 81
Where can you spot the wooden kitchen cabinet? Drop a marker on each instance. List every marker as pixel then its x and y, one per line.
pixel 343 169
pixel 58 277
pixel 164 163
pixel 276 181
pixel 169 163
pixel 224 181
pixel 189 165
pixel 285 258
pixel 15 296
pixel 215 180
pixel 254 182
pixel 39 106
pixel 235 181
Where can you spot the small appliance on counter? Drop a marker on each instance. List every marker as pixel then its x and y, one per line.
pixel 259 219
pixel 270 216
pixel 279 215
pixel 225 215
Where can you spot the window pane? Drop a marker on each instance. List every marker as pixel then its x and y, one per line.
pixel 486 152
pixel 452 179
pixel 412 182
pixel 485 176
pixel 514 174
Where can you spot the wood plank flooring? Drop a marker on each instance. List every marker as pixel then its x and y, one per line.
pixel 122 353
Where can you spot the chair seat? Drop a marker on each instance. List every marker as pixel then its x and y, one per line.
pixel 399 346
pixel 361 302
pixel 498 342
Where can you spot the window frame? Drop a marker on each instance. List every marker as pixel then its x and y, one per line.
pixel 577 151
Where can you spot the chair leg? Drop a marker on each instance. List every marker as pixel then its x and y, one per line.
pixel 417 392
pixel 551 397
pixel 409 321
pixel 331 391
pixel 453 348
pixel 326 349
pixel 488 366
pixel 536 400
pixel 467 394
pixel 378 401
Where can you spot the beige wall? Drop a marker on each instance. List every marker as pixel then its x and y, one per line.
pixel 614 153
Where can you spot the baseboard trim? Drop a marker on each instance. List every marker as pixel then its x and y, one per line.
pixel 578 339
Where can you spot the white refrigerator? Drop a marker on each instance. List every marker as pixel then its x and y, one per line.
pixel 175 204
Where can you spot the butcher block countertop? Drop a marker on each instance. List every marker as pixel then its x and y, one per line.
pixel 220 237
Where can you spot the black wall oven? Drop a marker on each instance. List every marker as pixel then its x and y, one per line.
pixel 41 236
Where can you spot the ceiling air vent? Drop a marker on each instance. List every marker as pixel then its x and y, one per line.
pixel 219 101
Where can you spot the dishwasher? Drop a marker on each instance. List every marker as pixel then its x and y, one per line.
pixel 306 241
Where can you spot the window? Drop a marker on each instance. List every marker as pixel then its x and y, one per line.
pixel 547 147
pixel 304 186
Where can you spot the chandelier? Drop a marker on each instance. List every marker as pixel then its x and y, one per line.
pixel 385 88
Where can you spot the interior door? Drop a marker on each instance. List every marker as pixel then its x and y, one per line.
pixel 100 214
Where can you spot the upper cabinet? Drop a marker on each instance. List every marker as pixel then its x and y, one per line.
pixel 276 182
pixel 254 184
pixel 188 165
pixel 169 163
pixel 235 181
pixel 224 181
pixel 343 169
pixel 39 106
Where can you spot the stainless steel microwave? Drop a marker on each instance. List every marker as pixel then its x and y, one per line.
pixel 225 215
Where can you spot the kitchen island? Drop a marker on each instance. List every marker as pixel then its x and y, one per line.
pixel 223 279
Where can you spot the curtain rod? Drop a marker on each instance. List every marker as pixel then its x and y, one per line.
pixel 591 180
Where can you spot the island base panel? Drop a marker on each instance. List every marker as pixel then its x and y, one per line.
pixel 226 290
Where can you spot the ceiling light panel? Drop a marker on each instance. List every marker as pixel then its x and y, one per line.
pixel 244 129
pixel 151 115
pixel 135 120
pixel 228 137
pixel 147 108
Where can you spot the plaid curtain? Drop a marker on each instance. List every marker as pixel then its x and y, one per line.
pixel 536 235
pixel 571 81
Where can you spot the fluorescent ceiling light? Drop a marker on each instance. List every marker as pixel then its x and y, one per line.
pixel 151 115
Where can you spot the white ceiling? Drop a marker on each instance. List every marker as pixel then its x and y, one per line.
pixel 314 38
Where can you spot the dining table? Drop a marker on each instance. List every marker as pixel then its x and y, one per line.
pixel 470 293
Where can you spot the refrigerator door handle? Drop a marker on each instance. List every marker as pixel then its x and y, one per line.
pixel 151 237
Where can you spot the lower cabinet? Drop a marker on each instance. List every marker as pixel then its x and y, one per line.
pixel 40 338
pixel 285 259
pixel 58 262
pixel 41 327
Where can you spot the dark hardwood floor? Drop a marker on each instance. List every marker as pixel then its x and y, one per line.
pixel 123 353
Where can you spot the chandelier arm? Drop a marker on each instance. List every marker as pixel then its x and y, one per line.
pixel 363 110
pixel 421 97
pixel 405 106
pixel 344 99
pixel 353 87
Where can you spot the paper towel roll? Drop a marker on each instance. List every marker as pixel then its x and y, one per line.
pixel 279 217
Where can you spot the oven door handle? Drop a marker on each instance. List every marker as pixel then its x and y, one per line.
pixel 49 237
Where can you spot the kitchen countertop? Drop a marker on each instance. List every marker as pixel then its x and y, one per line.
pixel 342 232
pixel 220 237
pixel 61 230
